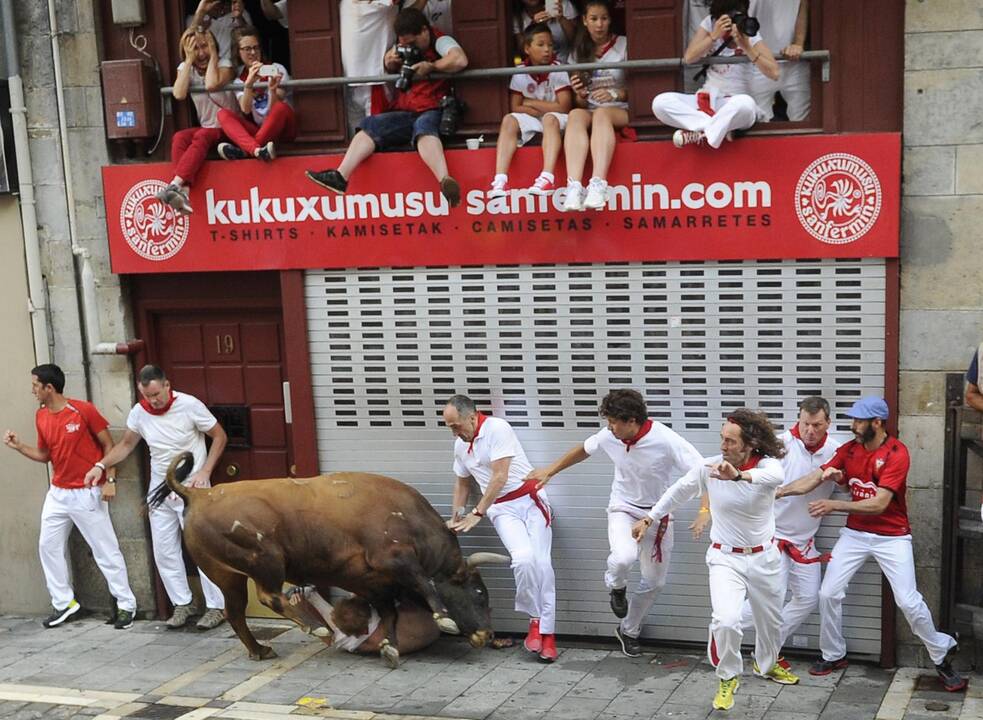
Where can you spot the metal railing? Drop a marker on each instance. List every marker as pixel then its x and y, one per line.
pixel 652 65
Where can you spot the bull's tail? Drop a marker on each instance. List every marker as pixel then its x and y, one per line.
pixel 177 473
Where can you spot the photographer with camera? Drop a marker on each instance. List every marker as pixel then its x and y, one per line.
pixel 724 103
pixel 414 116
pixel 273 117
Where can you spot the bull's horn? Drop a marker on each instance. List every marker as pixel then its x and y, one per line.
pixel 487 558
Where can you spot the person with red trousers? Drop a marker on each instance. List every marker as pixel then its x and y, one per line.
pixel 267 115
pixel 190 147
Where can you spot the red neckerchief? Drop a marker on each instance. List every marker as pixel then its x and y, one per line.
pixel 604 50
pixel 752 462
pixel 642 432
pixel 538 77
pixel 155 411
pixel 811 449
pixel 477 429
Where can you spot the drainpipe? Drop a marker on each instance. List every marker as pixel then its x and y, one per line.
pixel 36 302
pixel 85 277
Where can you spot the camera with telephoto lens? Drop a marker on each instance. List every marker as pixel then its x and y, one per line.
pixel 410 55
pixel 748 25
pixel 451 110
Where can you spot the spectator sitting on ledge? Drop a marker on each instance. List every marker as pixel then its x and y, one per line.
pixel 724 103
pixel 272 116
pixel 414 115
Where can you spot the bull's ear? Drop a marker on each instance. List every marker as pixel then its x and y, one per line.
pixel 487 558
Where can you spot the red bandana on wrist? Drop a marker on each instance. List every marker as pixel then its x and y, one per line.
pixel 477 429
pixel 811 449
pixel 642 432
pixel 145 404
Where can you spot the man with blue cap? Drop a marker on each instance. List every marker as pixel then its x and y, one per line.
pixel 874 468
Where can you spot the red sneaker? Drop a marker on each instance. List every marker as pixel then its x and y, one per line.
pixel 534 641
pixel 548 653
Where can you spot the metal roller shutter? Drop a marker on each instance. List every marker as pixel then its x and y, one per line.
pixel 540 345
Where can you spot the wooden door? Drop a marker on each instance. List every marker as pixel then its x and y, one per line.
pixel 653 28
pixel 315 52
pixel 483 28
pixel 233 362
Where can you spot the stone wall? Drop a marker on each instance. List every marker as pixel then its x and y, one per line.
pixel 941 254
pixel 110 376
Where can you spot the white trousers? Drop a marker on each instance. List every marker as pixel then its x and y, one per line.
pixel 735 578
pixel 166 523
pixel 525 534
pixel 84 509
pixel 894 556
pixel 794 83
pixel 733 112
pixel 802 582
pixel 624 552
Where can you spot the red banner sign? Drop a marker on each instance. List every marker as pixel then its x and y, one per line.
pixel 756 198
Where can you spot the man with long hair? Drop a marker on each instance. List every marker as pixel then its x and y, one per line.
pixel 744 561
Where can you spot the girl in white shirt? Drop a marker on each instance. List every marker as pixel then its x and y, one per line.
pixel 602 100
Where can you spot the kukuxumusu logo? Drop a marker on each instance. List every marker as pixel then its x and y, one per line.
pixel 838 198
pixel 154 230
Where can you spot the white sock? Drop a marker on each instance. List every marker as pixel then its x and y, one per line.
pixel 500 177
pixel 598 181
pixel 573 183
pixel 547 176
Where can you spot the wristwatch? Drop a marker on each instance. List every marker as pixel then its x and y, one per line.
pixel 111 480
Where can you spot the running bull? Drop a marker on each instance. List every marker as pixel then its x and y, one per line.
pixel 368 534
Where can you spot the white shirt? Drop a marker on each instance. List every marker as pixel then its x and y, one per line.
pixel 728 79
pixel 180 429
pixel 777 18
pixel 643 472
pixel 284 19
pixel 537 87
pixel 743 512
pixel 438 14
pixel 366 34
pixel 221 28
pixel 340 639
pixel 613 79
pixel 261 97
pixel 207 105
pixel 561 45
pixel 792 519
pixel 495 440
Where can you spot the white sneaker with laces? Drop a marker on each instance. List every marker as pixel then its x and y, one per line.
pixel 597 194
pixel 681 138
pixel 574 201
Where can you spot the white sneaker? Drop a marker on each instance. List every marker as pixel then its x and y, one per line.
pixel 543 185
pixel 574 201
pixel 688 137
pixel 597 194
pixel 499 187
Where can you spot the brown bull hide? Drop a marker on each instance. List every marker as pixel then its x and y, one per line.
pixel 369 534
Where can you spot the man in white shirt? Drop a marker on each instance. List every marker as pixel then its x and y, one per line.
pixel 221 17
pixel 808 445
pixel 784 24
pixel 487 451
pixel 172 423
pixel 743 559
pixel 646 456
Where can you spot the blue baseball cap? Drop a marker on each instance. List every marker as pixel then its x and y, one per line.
pixel 867 408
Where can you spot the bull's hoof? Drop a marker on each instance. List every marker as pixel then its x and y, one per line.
pixel 448 626
pixel 321 632
pixel 265 653
pixel 389 655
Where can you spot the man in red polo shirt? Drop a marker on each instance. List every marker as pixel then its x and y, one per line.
pixel 874 468
pixel 72 435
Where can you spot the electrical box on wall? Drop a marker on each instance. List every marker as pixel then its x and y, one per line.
pixel 129 13
pixel 132 99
